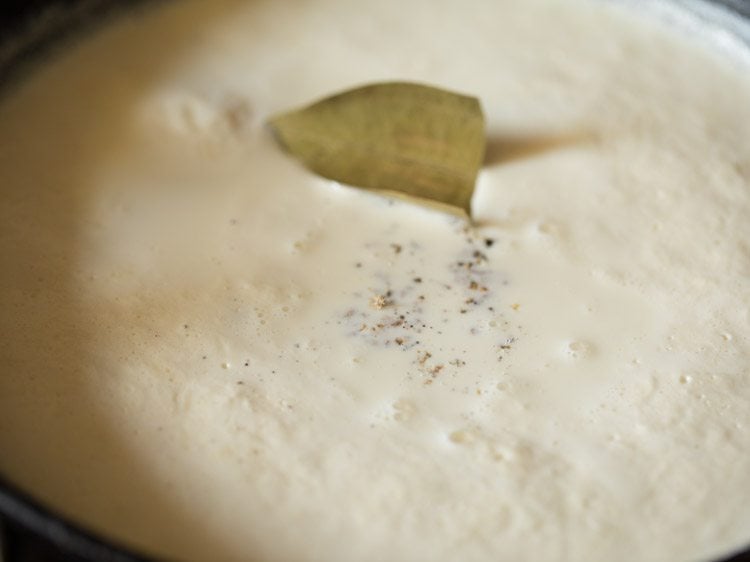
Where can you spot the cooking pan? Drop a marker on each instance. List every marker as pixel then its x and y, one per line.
pixel 29 530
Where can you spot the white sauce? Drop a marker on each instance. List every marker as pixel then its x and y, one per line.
pixel 191 358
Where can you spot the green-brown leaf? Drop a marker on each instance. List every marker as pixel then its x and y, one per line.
pixel 409 138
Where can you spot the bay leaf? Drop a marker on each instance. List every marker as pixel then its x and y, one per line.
pixel 402 137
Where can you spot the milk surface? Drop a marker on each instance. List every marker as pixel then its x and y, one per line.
pixel 210 353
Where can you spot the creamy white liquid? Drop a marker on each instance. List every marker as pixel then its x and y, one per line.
pixel 194 360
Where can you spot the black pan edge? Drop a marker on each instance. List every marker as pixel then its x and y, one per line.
pixel 35 532
pixel 30 29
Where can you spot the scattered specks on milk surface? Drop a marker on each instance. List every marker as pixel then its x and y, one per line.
pixel 442 311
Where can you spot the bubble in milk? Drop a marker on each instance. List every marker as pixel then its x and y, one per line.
pixel 580 349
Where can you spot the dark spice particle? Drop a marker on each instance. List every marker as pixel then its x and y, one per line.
pixel 417 279
pixel 479 256
pixel 488 242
